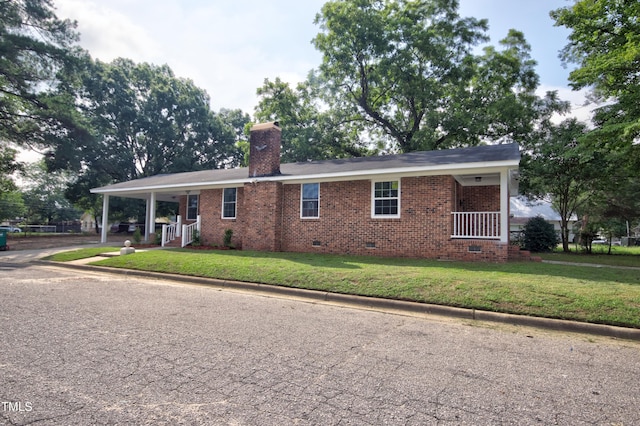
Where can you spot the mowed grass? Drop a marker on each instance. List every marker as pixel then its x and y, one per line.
pixel 68 256
pixel 582 293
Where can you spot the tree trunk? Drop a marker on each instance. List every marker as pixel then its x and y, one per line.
pixel 564 233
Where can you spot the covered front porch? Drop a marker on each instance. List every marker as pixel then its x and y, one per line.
pixel 482 205
pixel 176 230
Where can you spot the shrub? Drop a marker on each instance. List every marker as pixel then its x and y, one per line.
pixel 137 236
pixel 195 237
pixel 228 234
pixel 539 235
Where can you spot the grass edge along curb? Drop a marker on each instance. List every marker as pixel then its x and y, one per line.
pixel 604 330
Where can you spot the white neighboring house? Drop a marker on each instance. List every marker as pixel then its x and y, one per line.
pixel 87 223
pixel 522 209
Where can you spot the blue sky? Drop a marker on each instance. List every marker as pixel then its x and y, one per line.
pixel 228 47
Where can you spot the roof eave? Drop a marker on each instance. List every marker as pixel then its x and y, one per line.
pixel 476 167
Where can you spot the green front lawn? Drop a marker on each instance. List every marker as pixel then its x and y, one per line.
pixel 599 295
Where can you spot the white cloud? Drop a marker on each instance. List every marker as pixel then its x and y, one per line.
pixel 580 107
pixel 226 48
pixel 107 33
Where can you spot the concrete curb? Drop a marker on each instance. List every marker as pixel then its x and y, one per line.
pixel 379 303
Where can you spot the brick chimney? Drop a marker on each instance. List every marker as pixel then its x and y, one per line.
pixel 264 150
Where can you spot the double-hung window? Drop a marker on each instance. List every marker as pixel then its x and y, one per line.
pixel 386 199
pixel 310 201
pixel 192 207
pixel 229 201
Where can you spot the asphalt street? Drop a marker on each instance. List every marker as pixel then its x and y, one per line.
pixel 81 347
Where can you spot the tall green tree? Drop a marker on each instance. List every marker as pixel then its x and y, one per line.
pixel 144 121
pixel 559 169
pixel 8 166
pixel 308 132
pixel 407 70
pixel 605 44
pixel 44 195
pixel 235 121
pixel 614 210
pixel 38 62
pixel 11 205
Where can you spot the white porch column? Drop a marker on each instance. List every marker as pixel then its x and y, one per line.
pixel 179 226
pixel 105 218
pixel 147 213
pixel 151 227
pixel 504 206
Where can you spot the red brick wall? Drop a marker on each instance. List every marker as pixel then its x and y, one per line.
pixel 478 251
pixel 479 198
pixel 345 224
pixel 262 216
pixel 264 150
pixel 182 208
pixel 268 219
pixel 213 225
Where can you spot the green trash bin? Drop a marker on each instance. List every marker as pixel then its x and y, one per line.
pixel 3 240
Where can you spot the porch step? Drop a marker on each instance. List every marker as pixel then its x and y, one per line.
pixel 174 244
pixel 517 254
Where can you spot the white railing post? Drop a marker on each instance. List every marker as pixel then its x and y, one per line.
pixel 164 234
pixel 178 226
pixel 188 230
pixel 504 207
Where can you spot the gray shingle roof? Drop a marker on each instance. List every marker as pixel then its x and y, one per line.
pixel 426 159
pixel 455 159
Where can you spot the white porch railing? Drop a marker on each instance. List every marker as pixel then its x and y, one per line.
pixel 189 230
pixel 480 225
pixel 172 231
pixel 169 233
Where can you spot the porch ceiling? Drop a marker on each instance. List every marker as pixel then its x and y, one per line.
pixel 481 179
pixel 170 196
pixel 489 179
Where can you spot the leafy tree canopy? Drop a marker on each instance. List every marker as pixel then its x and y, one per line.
pixel 605 44
pixel 558 168
pixel 406 70
pixel 308 132
pixel 38 58
pixel 44 195
pixel 11 205
pixel 144 121
pixel 8 166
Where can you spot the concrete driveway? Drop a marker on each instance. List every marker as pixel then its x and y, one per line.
pixel 95 348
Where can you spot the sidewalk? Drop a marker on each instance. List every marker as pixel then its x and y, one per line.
pixel 591 265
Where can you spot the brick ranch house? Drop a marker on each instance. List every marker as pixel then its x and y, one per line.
pixel 450 204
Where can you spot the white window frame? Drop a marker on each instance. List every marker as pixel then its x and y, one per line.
pixel 234 202
pixel 302 200
pixel 197 207
pixel 373 199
